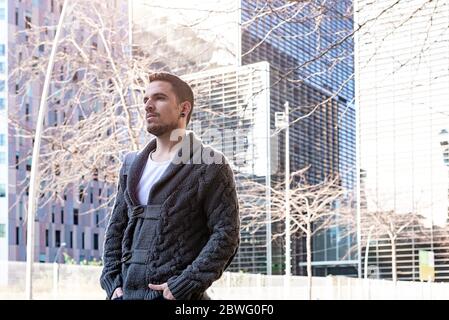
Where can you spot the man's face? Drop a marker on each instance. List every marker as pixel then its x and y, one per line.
pixel 162 108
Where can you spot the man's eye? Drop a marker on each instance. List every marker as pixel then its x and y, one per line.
pixel 145 100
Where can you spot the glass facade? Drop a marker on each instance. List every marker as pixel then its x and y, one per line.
pixel 403 97
pixel 322 113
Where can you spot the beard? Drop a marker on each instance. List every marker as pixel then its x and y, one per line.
pixel 160 129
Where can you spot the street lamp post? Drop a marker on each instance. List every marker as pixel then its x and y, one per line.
pixel 282 122
pixel 288 266
pixel 35 160
pixel 56 271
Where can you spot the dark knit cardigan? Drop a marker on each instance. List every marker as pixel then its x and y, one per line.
pixel 186 235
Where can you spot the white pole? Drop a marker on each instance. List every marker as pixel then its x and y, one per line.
pixel 35 161
pixel 288 267
pixel 357 138
pixel 367 251
pixel 270 149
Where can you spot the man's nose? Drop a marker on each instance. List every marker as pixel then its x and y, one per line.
pixel 149 106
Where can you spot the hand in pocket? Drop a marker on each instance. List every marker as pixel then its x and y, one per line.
pixel 118 294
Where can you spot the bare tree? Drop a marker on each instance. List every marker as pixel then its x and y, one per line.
pixel 92 112
pixel 393 225
pixel 313 208
pixel 378 223
pixel 95 108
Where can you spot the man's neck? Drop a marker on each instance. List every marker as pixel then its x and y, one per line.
pixel 165 148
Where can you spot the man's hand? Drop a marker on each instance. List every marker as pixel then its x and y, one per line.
pixel 118 292
pixel 164 288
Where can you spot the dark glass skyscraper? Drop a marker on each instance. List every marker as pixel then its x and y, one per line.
pixel 320 91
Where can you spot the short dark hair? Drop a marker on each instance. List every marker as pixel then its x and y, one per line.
pixel 182 90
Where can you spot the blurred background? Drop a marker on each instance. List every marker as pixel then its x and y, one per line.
pixel 334 115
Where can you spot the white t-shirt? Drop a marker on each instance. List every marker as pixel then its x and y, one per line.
pixel 151 174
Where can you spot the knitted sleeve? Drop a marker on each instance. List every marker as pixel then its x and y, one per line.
pixel 111 274
pixel 221 208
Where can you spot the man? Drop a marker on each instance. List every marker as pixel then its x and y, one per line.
pixel 174 227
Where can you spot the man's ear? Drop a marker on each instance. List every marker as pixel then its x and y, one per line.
pixel 186 108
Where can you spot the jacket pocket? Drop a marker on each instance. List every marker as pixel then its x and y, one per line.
pixel 133 270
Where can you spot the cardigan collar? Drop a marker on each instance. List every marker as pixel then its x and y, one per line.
pixel 189 153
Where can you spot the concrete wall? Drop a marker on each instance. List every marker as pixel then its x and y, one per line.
pixel 82 283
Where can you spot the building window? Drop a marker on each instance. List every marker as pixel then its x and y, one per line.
pixel 2 67
pixel 17 161
pixel 75 217
pixel 28 22
pixel 17 235
pixel 2 49
pixel 97 219
pixel 46 24
pixel 2 13
pixel 2 139
pixel 82 240
pixel 81 194
pixel 21 210
pixel 95 241
pixel 2 230
pixel 2 85
pixel 57 238
pixel 91 197
pixel 52 217
pixel 2 157
pixel 62 216
pixel 2 103
pixel 46 237
pixel 71 239
pixel 17 16
pixel 2 190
